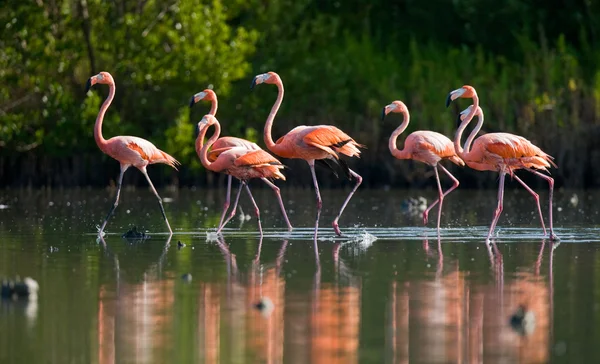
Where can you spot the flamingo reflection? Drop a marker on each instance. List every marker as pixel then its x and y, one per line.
pixel 455 318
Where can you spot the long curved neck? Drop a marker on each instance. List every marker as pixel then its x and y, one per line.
pixel 467 148
pixel 201 148
pixel 400 154
pixel 100 141
pixel 475 107
pixel 214 105
pixel 267 133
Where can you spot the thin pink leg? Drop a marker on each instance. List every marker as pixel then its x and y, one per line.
pixel 227 200
pixel 256 210
pixel 311 163
pixel 114 206
pixel 537 200
pixel 551 185
pixel 499 208
pixel 278 194
pixel 454 186
pixel 233 211
pixel 337 218
pixel 162 209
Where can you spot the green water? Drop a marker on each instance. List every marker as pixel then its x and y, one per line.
pixel 386 292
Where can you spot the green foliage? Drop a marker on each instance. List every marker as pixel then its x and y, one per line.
pixel 534 67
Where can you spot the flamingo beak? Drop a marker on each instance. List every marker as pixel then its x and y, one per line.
pixel 88 85
pixel 253 83
pixel 383 113
pixel 449 100
pixel 193 101
pixel 453 95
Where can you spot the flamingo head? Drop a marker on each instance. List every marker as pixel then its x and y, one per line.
pixel 207 120
pixel 465 92
pixel 468 113
pixel 396 106
pixel 207 94
pixel 269 77
pixel 102 77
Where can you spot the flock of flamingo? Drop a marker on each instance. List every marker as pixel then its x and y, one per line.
pixel 500 152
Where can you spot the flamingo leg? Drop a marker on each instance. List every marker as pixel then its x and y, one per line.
pixel 499 208
pixel 112 209
pixel 454 186
pixel 311 163
pixel 233 211
pixel 358 182
pixel 256 210
pixel 278 194
pixel 537 200
pixel 551 185
pixel 162 209
pixel 227 200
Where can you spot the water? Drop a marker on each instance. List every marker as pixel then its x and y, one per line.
pixel 386 292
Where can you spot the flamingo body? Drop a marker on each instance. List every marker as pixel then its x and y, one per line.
pixel 137 152
pixel 316 142
pixel 503 153
pixel 239 162
pixel 128 150
pixel 246 164
pixel 495 151
pixel 425 146
pixel 227 144
pixel 311 143
pixel 430 147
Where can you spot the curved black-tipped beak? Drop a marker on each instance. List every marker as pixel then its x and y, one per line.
pixel 383 114
pixel 88 85
pixel 197 131
pixel 192 101
pixel 449 100
pixel 253 83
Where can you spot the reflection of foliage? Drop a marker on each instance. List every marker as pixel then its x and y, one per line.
pixel 533 64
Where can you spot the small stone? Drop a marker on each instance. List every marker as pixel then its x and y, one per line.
pixel 187 277
pixel 265 306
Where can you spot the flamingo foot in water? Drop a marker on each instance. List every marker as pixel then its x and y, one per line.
pixel 336 227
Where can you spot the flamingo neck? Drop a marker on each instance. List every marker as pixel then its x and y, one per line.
pixel 202 149
pixel 100 141
pixel 214 106
pixel 269 124
pixel 476 130
pixel 462 152
pixel 475 107
pixel 400 154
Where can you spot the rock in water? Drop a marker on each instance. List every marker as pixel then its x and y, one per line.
pixel 19 289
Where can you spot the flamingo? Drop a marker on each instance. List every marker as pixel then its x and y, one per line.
pixel 424 146
pixel 225 143
pixel 128 150
pixel 311 143
pixel 503 153
pixel 240 162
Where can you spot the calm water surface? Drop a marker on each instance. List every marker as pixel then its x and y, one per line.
pixel 386 292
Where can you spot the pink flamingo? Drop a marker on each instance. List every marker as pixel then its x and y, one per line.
pixel 240 162
pixel 424 146
pixel 311 143
pixel 503 153
pixel 128 150
pixel 225 143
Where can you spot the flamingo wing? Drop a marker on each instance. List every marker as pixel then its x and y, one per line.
pixel 145 150
pixel 225 143
pixel 256 158
pixel 332 140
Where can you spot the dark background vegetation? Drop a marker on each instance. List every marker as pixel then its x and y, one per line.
pixel 534 64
